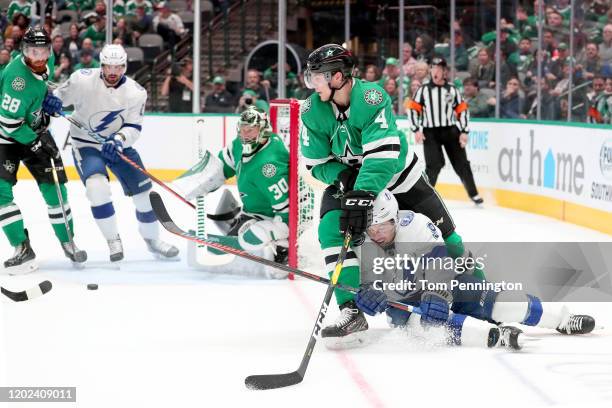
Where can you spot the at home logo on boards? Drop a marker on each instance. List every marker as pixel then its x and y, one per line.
pixel 546 168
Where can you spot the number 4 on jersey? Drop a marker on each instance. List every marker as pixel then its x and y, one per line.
pixel 381 119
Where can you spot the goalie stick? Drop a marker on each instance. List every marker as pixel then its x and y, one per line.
pixel 126 159
pixel 38 290
pixel 161 212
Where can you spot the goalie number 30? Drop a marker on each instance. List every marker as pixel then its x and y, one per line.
pixel 279 188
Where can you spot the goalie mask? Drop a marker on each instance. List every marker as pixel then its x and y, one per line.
pixel 36 49
pixel 113 60
pixel 253 129
pixel 324 62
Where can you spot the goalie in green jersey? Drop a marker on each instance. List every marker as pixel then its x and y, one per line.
pixel 351 142
pixel 260 161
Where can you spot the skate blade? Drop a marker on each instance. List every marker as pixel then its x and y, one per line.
pixel 164 258
pixel 352 341
pixel 23 269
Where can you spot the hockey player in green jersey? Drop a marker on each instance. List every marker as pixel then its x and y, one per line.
pixel 260 161
pixel 351 142
pixel 24 138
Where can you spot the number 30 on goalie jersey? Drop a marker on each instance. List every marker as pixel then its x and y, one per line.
pixel 262 178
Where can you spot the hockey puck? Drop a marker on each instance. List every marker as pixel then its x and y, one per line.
pixel 92 286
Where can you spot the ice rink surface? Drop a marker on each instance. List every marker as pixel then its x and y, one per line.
pixel 160 334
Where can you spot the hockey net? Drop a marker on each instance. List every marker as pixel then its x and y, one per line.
pixel 304 190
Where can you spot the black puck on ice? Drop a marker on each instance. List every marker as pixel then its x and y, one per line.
pixel 92 286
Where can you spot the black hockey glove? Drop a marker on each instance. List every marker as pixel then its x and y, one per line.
pixel 346 179
pixel 44 148
pixel 356 211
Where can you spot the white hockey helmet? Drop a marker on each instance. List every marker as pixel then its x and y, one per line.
pixel 385 208
pixel 113 54
pixel 113 59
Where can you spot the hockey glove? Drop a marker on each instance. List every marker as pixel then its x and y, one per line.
pixel 112 147
pixel 434 309
pixel 370 300
pixel 356 211
pixel 44 148
pixel 52 105
pixel 346 180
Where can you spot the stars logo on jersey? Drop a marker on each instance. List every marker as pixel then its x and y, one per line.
pixel 9 166
pixel 373 96
pixel 18 84
pixel 268 170
pixel 305 106
pixel 106 123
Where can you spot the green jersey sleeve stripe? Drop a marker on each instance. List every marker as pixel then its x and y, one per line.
pixel 314 162
pixel 11 121
pixel 393 140
pixel 227 157
pixel 386 151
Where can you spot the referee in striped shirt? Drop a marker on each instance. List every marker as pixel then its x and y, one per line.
pixel 439 117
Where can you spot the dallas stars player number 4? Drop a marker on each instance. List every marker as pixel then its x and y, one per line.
pixel 351 142
pixel 24 138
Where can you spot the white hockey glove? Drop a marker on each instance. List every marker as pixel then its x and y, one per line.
pixel 202 178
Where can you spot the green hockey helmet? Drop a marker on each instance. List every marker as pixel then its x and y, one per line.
pixel 253 129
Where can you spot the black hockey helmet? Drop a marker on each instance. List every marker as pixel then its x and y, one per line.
pixel 439 61
pixel 328 60
pixel 36 37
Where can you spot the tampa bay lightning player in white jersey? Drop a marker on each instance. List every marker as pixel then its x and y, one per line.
pixel 111 105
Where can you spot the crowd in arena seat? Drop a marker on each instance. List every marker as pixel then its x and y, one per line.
pixel 591 78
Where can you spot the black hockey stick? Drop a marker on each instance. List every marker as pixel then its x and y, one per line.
pixel 161 212
pixel 38 290
pixel 272 381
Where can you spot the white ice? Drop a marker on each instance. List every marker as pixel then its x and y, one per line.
pixel 159 334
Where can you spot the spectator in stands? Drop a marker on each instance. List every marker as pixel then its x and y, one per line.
pixel 511 102
pixel 132 6
pixel 554 21
pixel 141 24
pixel 261 88
pixel 5 58
pixel 168 24
pixel 271 76
pixel 392 71
pixel 87 44
pixel 118 9
pixel 421 72
pixel 248 98
pixel 408 60
pixel 9 45
pixel 562 85
pixel 589 61
pixel 423 47
pixel 23 7
pixel 390 86
pixel 86 60
pixel 372 73
pixel 96 32
pixel 597 89
pixel 557 63
pixel 605 48
pixel 301 91
pixel 524 57
pixel 549 43
pixel 100 8
pixel 414 85
pixel 219 100
pixel 482 69
pixel 551 108
pixel 73 41
pixel 63 69
pixel 80 5
pixel 479 105
pixel 532 73
pixel 604 106
pixel 19 24
pixel 57 47
pixel 17 35
pixel 178 87
pixel 121 30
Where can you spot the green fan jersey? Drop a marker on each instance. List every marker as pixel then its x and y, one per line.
pixel 365 137
pixel 17 7
pixel 21 107
pixel 262 178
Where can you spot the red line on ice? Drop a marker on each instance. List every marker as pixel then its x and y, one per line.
pixel 347 363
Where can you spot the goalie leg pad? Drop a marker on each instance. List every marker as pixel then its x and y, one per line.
pixel 256 235
pixel 202 178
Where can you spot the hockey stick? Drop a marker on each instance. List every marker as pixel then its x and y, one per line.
pixel 126 159
pixel 161 212
pixel 272 381
pixel 38 290
pixel 58 190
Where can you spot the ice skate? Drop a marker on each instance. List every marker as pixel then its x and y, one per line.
pixel 23 260
pixel 73 253
pixel 161 249
pixel 575 324
pixel 116 249
pixel 348 330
